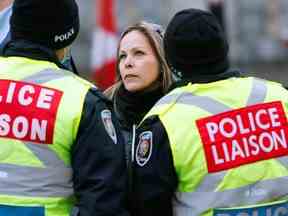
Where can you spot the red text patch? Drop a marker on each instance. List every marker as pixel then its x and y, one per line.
pixel 28 111
pixel 243 136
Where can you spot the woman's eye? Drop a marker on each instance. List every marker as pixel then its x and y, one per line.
pixel 121 56
pixel 139 52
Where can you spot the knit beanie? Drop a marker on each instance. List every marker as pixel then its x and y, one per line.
pixel 195 44
pixel 52 23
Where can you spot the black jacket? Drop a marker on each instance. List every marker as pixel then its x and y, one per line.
pixel 99 168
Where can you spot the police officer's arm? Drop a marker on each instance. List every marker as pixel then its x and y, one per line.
pixel 155 180
pixel 99 166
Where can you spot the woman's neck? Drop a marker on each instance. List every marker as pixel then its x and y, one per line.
pixel 132 107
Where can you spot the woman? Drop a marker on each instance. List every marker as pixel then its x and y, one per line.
pixel 143 76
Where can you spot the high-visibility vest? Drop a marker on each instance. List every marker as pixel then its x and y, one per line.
pixel 229 141
pixel 41 106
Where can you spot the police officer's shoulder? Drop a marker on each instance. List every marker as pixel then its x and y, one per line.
pixel 69 73
pixel 151 120
pixel 94 103
pixel 94 95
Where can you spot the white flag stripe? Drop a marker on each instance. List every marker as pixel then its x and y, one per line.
pixel 104 48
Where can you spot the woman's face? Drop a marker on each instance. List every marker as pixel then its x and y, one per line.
pixel 138 64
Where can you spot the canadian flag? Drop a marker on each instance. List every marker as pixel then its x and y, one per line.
pixel 104 45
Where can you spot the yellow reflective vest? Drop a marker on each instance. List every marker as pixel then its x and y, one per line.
pixel 41 107
pixel 229 141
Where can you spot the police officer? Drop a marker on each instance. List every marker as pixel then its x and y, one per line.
pixel 5 14
pixel 60 153
pixel 218 141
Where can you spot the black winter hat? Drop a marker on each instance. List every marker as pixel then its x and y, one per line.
pixel 195 44
pixel 52 23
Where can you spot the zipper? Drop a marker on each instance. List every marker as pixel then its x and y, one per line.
pixel 133 142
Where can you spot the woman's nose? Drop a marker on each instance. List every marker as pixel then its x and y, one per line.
pixel 129 62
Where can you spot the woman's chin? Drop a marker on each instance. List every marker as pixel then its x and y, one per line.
pixel 133 87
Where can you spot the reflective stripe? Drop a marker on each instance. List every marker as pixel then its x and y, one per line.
pixel 283 161
pixel 195 203
pixel 258 92
pixel 211 181
pixel 45 76
pixel 45 155
pixel 257 95
pixel 169 99
pixel 203 102
pixel 45 182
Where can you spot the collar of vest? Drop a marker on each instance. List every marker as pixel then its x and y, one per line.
pixel 208 78
pixel 27 49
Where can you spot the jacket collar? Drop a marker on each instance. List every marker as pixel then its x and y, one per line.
pixel 209 78
pixel 23 48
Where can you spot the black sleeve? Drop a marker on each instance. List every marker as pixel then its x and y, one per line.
pixel 99 166
pixel 154 177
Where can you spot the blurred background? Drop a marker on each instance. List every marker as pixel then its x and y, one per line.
pixel 257 31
